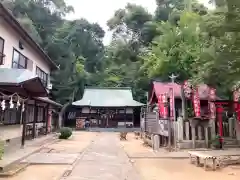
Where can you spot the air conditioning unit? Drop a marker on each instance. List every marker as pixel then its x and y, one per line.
pixel 50 86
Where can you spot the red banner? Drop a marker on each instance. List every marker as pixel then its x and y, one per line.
pixel 160 106
pixel 196 103
pixel 171 96
pixel 212 108
pixel 236 95
pixel 236 98
pixel 187 89
pixel 165 106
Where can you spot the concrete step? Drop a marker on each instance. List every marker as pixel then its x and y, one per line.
pixel 230 143
pixel 13 169
pixel 231 146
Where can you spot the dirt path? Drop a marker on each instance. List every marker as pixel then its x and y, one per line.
pixel 75 145
pixel 154 166
pixel 102 156
pixel 104 159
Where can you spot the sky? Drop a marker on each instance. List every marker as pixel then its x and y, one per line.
pixel 100 11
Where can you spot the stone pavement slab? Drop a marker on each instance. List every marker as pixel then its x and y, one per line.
pixel 16 154
pixel 104 159
pixel 51 158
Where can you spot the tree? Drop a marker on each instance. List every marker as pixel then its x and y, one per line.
pixel 74 45
pixel 176 50
pixel 221 55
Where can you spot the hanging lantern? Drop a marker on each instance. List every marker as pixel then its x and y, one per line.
pixel 3 105
pixel 11 103
pixel 23 107
pixel 18 104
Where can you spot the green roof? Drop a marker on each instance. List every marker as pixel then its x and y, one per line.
pixel 107 97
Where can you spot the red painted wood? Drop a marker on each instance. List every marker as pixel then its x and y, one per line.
pixel 220 121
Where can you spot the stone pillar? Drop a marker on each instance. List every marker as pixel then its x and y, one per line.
pixel 213 130
pixel 200 135
pixel 194 123
pixel 187 130
pixel 156 141
pixel 180 128
pixel 206 136
pixel 238 130
pixel 205 124
pixel 193 137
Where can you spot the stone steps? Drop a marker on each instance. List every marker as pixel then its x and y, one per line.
pixel 231 143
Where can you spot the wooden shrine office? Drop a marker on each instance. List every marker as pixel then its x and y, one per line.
pixel 105 108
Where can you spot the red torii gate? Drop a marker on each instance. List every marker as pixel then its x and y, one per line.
pixel 219 110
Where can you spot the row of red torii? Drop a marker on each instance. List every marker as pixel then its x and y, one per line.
pixel 191 93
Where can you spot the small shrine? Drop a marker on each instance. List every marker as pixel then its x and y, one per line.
pixel 195 122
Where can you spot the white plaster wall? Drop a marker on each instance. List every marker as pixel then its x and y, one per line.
pixel 12 38
pixel 85 110
pixel 128 111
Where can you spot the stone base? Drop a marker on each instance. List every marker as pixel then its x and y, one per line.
pixel 187 144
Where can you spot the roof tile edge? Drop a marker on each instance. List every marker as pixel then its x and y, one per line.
pixel 124 88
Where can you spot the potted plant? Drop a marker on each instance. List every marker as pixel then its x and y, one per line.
pixel 216 142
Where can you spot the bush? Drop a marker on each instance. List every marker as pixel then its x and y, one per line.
pixel 65 133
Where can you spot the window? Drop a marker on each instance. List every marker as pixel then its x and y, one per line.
pixel 30 114
pixel 1 50
pixel 40 114
pixel 19 60
pixel 42 75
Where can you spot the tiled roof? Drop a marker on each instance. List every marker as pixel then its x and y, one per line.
pixel 107 97
pixel 162 87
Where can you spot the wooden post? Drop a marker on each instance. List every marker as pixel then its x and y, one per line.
pixel 98 116
pixel 231 125
pixel 125 116
pixel 46 117
pixel 24 124
pixel 34 119
pixel 133 117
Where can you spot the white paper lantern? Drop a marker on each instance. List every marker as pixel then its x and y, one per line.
pixel 3 105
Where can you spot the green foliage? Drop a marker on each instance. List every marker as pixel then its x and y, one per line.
pixel 181 37
pixel 65 133
pixel 190 112
pixel 176 50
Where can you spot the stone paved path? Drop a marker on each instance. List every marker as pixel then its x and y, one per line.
pixel 104 159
